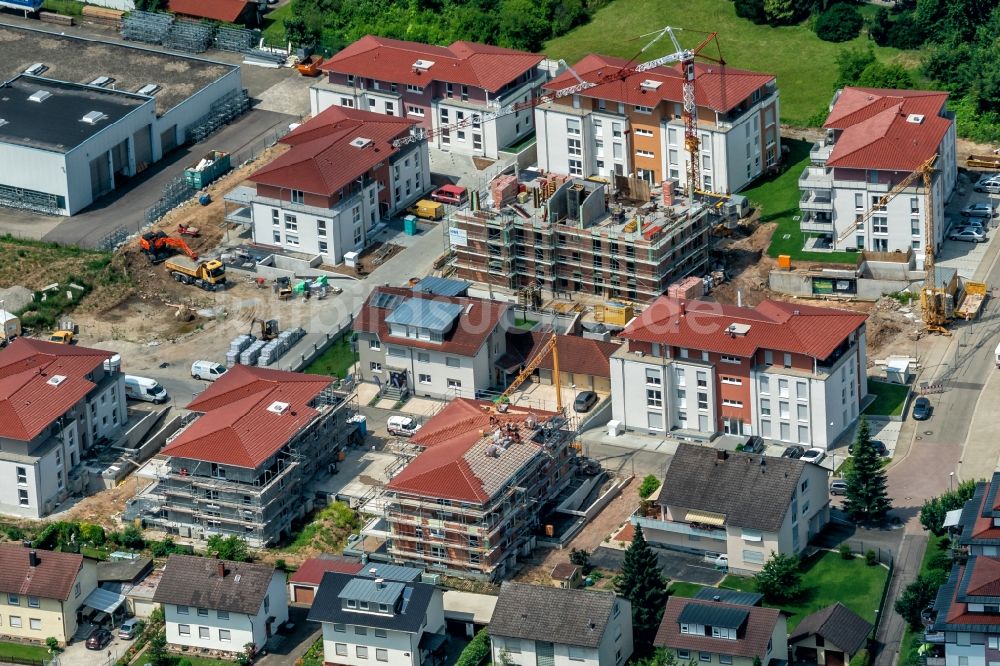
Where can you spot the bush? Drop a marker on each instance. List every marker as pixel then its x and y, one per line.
pixel 845 552
pixel 649 486
pixel 780 580
pixel 918 595
pixel 752 10
pixel 862 658
pixel 839 23
pixel 185 662
pixel 871 557
pixel 477 651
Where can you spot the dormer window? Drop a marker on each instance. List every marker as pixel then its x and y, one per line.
pixel 352 603
pixel 363 605
pixel 383 608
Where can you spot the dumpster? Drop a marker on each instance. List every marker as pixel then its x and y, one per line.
pixel 410 225
pixel 207 170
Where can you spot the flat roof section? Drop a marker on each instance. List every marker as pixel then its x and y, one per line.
pixel 78 60
pixel 56 122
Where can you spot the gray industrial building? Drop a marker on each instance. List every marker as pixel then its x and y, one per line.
pixel 78 116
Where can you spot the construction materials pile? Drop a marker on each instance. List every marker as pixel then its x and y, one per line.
pixel 246 349
pixel 239 344
pixel 278 347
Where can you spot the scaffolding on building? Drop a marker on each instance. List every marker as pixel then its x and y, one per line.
pixel 33 200
pixel 187 35
pixel 222 112
pixel 148 27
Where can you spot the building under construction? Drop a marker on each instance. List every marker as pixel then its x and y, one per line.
pixel 471 502
pixel 242 467
pixel 566 235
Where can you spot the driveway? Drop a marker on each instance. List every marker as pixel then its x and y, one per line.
pixel 675 565
pixel 285 649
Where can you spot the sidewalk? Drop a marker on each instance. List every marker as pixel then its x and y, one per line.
pixel 979 459
pixel 892 626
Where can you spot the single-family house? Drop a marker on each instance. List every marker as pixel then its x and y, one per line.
pixel 979 525
pixel 966 619
pixel 831 636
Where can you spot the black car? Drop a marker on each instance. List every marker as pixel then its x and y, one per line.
pixel 879 445
pixel 794 452
pixel 921 409
pixel 585 400
pixel 99 639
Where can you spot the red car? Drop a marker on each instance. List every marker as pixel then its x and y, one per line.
pixel 450 194
pixel 99 639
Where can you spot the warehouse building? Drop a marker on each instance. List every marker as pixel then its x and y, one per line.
pixel 78 117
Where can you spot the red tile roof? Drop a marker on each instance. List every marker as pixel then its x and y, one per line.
pixel 718 88
pixel 52 578
pixel 478 319
pixel 751 640
pixel 28 402
pixel 958 611
pixel 227 11
pixel 237 427
pixel 576 354
pixel 479 65
pixel 875 132
pixel 984 580
pixel 444 470
pixel 312 570
pixel 786 327
pixel 323 161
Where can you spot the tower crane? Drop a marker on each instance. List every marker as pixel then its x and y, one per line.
pixel 550 346
pixel 684 56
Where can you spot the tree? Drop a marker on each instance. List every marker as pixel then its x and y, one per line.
pixel 648 486
pixel 918 595
pixel 150 5
pixel 300 32
pixel 866 499
pixel 851 63
pixel 231 548
pixel 643 584
pixel 780 580
pixel 157 652
pixel 932 513
pixel 752 10
pixel 130 537
pixel 879 75
pixel 782 12
pixel 840 23
pixel 477 651
pixel 523 24
pixel 580 558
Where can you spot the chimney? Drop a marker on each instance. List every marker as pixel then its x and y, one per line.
pixel 222 569
pixel 716 598
pixel 33 558
pixel 373 571
pixel 720 455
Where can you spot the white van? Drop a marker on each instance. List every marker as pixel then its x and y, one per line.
pixel 208 370
pixel 144 388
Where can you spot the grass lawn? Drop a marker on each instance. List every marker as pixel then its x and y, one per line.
pixel 94 553
pixel 175 659
pixel 803 63
pixel 274 25
pixel 18 651
pixel 890 398
pixel 336 361
pixel 682 589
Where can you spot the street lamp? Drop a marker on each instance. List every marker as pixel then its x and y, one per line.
pixel 951 481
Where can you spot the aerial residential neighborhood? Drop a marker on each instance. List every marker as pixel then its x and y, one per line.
pixel 476 333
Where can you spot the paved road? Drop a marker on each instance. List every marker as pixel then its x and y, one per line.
pixel 891 628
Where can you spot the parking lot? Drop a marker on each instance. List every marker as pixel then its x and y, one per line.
pixel 964 256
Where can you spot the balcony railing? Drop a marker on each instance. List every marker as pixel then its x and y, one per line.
pixel 813 223
pixel 816 177
pixel 677 528
pixel 816 200
pixel 820 152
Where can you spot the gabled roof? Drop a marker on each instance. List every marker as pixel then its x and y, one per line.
pixel 559 615
pixel 322 159
pixel 837 625
pixel 978 513
pixel 408 616
pixel 238 427
pixel 312 570
pixel 454 463
pixel 699 479
pixel 477 320
pixel 776 325
pixel 751 641
pixel 576 354
pixel 52 578
pixel 729 596
pixel 195 581
pixel 981 580
pixel 383 59
pixel 878 128
pixel 718 88
pixel 31 398
pixel 227 11
pixel 953 611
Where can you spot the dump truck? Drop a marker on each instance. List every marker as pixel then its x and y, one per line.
pixel 983 161
pixel 972 300
pixel 429 210
pixel 209 274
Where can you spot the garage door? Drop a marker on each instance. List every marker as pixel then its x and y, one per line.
pixel 303 594
pixel 834 658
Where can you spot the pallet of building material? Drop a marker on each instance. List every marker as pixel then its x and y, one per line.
pixel 52 17
pixel 103 15
pixel 252 353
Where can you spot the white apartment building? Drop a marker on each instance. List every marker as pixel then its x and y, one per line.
pixel 636 126
pixel 875 139
pixel 788 373
pixel 60 400
pixel 326 195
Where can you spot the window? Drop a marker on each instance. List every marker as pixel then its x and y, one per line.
pixel 454 383
pixel 375 366
pixel 702 400
pixel 361 651
pixel 577 653
pixel 765 407
pixel 786 432
pixel 643 132
pixel 22 476
pixel 645 153
pixel 682 397
pixel 340 628
pixel 224 635
pixel 753 556
pixel 341 649
pixel 616 130
pixel 702 379
pixel 653 377
pixel 374 344
pixel 788 360
pixel 575 167
pixel 573 147
pixel 654 398
pixel 202 612
pixel 725 658
pixel 425 379
pixel 277 236
pixel 735 360
pixel 33 602
pixel 736 381
pixel 705 656
pixel 203 632
pixel 804 434
pixel 783 388
pixel 222 615
pixel 298 196
pixel 35 624
pixel 361 631
pixel 573 126
pixel 182 610
pixel 380 633
pixel 424 357
pixel 381 654
pixel 452 362
pixel 184 629
pixel 783 409
pixel 801 390
pixel 22 496
pixel 731 403
pixel 654 420
pixel 76 590
pixel 803 412
pixel 683 654
pixel 292 239
pixel 768 357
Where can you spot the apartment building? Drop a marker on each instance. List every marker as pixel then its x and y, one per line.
pixel 241 467
pixel 426 344
pixel 875 139
pixel 339 178
pixel 965 616
pixel 437 86
pixel 703 506
pixel 58 401
pixel 470 502
pixel 636 125
pixel 570 235
pixel 784 371
pixel 533 624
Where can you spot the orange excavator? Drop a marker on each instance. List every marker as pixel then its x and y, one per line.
pixel 159 247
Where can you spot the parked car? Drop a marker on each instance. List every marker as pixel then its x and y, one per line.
pixel 754 445
pixel 722 562
pixel 144 388
pixel 978 210
pixel 130 629
pixel 988 183
pixel 879 445
pixel 813 455
pixel 838 487
pixel 207 370
pixel 585 401
pixel 99 639
pixel 968 235
pixel 921 409
pixel 794 452
pixel 403 426
pixel 450 194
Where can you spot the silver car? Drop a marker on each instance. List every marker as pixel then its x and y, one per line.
pixel 968 235
pixel 978 210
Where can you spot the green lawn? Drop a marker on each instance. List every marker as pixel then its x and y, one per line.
pixel 274 26
pixel 827 578
pixel 19 651
pixel 890 398
pixel 175 659
pixel 335 361
pixel 803 63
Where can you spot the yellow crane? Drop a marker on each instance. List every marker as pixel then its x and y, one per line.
pixel 550 346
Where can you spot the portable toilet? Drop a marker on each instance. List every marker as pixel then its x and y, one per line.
pixel 410 225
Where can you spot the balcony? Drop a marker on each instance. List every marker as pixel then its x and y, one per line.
pixel 677 528
pixel 816 200
pixel 816 178
pixel 811 222
pixel 820 152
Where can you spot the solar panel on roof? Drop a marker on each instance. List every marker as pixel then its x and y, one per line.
pixel 425 313
pixel 387 301
pixel 713 615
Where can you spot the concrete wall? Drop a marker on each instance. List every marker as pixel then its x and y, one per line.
pixel 187 112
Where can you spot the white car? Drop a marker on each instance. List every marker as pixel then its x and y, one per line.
pixel 813 455
pixel 208 370
pixel 989 184
pixel 403 426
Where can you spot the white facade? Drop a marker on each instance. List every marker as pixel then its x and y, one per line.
pixel 212 629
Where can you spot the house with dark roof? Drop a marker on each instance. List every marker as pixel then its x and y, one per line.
pixel 737 506
pixel 786 372
pixel 635 125
pixel 215 604
pixel 426 344
pixel 379 618
pixel 341 175
pixel 302 584
pixel 56 402
pixel 979 524
pixel 42 592
pixel 966 613
pixel 717 632
pixel 471 501
pixel 830 636
pixel 241 467
pixel 583 363
pixel 436 86
pixel 875 138
pixel 538 624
